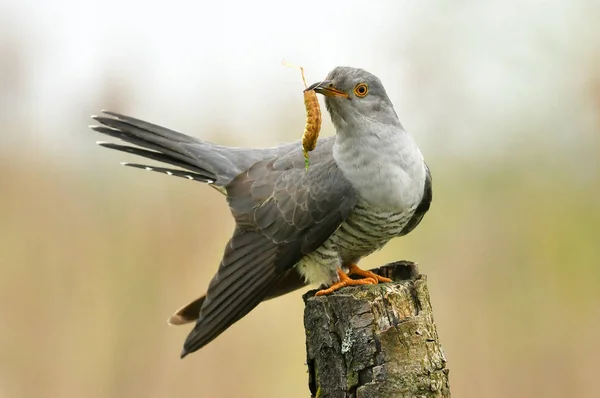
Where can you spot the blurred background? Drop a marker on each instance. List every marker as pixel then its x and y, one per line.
pixel 502 97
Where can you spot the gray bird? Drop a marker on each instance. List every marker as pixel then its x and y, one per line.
pixel 366 185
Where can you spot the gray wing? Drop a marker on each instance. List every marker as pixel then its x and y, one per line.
pixel 282 212
pixel 423 206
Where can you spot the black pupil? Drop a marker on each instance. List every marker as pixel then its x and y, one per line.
pixel 361 89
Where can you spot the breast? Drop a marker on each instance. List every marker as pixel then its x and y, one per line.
pixel 387 170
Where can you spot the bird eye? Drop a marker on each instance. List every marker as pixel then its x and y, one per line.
pixel 361 90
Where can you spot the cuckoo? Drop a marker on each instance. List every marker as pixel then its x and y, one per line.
pixel 294 226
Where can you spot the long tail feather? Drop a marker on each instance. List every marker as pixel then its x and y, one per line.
pixel 161 144
pixel 159 157
pixel 172 172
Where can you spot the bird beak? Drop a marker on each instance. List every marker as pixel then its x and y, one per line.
pixel 327 89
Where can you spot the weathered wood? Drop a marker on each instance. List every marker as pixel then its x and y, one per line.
pixel 375 341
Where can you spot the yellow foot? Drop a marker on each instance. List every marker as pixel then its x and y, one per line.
pixel 345 280
pixel 354 270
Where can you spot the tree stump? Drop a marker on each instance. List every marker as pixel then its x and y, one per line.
pixel 375 341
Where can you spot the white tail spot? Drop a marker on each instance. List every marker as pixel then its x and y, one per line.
pixel 169 173
pixel 148 168
pixel 125 164
pixel 189 177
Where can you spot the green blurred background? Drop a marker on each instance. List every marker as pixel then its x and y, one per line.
pixel 503 98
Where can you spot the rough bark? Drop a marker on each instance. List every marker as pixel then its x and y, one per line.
pixel 375 340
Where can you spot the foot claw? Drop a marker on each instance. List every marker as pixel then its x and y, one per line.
pixel 346 281
pixel 354 270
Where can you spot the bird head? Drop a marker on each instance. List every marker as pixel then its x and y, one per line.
pixel 355 98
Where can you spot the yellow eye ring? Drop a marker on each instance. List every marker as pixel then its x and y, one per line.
pixel 361 90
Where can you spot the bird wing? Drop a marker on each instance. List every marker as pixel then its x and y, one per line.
pixel 423 206
pixel 293 280
pixel 282 213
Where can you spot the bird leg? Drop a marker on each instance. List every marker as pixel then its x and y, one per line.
pixel 354 270
pixel 345 280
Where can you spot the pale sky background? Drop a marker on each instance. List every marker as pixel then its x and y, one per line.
pixel 465 77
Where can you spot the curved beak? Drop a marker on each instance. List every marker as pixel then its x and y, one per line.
pixel 327 89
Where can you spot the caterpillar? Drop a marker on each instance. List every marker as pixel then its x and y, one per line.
pixel 312 125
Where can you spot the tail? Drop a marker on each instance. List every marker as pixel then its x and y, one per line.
pixel 166 146
pixel 202 160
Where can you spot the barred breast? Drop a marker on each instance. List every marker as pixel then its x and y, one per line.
pixel 363 232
